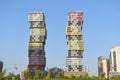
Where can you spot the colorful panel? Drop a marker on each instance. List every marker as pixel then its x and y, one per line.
pixel 37 24
pixel 35 44
pixel 74 37
pixel 36 53
pixel 37 60
pixel 75 45
pixel 38 31
pixel 37 38
pixel 74 61
pixel 75 53
pixel 36 17
pixel 75 16
pixel 73 30
pixel 75 23
pixel 36 48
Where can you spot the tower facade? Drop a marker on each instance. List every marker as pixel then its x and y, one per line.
pixel 115 61
pixel 36 44
pixel 74 41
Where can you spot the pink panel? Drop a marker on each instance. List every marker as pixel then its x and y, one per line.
pixel 75 16
pixel 36 60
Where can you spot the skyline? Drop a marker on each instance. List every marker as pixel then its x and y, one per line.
pixel 100 30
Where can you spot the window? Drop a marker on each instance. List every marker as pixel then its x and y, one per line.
pixel 114 60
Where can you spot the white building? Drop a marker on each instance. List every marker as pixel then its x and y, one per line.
pixel 115 61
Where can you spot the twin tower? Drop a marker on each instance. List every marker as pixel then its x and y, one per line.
pixel 38 35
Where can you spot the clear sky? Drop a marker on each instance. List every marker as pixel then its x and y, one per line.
pixel 101 30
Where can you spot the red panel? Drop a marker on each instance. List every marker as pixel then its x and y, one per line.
pixel 37 60
pixel 42 63
pixel 36 63
pixel 75 16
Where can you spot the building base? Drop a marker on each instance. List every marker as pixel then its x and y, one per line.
pixel 76 74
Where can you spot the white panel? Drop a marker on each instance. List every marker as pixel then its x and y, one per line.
pixel 36 16
pixel 74 61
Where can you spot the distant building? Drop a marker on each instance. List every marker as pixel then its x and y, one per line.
pixel 103 66
pixel 1 66
pixel 37 40
pixel 56 69
pixel 114 58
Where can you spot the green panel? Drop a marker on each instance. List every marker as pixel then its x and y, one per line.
pixel 42 32
pixel 38 31
pixel 75 45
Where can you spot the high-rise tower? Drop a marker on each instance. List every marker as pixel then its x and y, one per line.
pixel 74 41
pixel 36 45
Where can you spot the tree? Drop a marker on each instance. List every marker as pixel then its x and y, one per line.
pixel 116 77
pixel 10 76
pixel 39 75
pixel 102 76
pixel 60 75
pixel 2 75
pixel 25 75
pixel 17 77
pixel 50 75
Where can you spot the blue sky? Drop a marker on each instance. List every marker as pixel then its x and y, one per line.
pixel 101 30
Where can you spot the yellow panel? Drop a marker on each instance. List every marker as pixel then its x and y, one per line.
pixel 75 45
pixel 35 44
pixel 38 31
pixel 73 30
